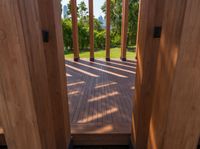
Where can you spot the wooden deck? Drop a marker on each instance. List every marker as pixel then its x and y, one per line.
pixel 100 96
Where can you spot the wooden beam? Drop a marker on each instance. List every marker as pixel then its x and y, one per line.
pixel 175 117
pixel 26 109
pixel 108 30
pixel 55 64
pixel 91 26
pixel 125 7
pixel 75 30
pixel 150 15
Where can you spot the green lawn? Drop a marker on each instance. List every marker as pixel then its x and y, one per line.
pixel 114 54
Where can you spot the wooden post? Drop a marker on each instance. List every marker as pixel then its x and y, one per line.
pixel 91 26
pixel 125 7
pixel 150 15
pixel 175 120
pixel 75 30
pixel 167 101
pixel 27 111
pixel 55 64
pixel 108 30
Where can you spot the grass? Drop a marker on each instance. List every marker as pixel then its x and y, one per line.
pixel 114 54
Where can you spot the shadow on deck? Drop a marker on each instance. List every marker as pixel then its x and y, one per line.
pixel 100 96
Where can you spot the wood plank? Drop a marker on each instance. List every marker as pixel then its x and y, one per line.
pixel 102 104
pixel 91 28
pixel 124 32
pixel 16 100
pixel 105 128
pixel 175 118
pixel 101 139
pixel 75 29
pixel 26 108
pixel 54 54
pixel 108 29
pixel 150 15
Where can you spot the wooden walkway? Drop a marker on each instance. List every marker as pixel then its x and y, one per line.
pixel 100 96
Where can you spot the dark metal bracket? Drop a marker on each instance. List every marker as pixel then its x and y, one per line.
pixel 45 36
pixel 157 32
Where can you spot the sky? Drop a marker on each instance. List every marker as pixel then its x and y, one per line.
pixel 97 6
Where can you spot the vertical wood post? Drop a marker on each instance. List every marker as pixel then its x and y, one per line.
pixel 91 26
pixel 21 98
pixel 175 120
pixel 125 7
pixel 54 54
pixel 107 30
pixel 150 15
pixel 27 111
pixel 167 101
pixel 75 30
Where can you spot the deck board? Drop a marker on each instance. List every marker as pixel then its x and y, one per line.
pixel 100 96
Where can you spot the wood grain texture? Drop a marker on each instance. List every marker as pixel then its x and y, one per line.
pixel 54 57
pixel 175 119
pixel 100 96
pixel 107 47
pixel 166 103
pixel 27 112
pixel 150 15
pixel 91 28
pixel 101 139
pixel 16 97
pixel 75 29
pixel 125 7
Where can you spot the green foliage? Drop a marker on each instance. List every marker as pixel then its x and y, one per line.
pixel 67 34
pixel 99 32
pixel 82 11
pixel 133 19
pixel 115 39
pixel 115 15
pixel 116 20
pixel 83 32
pixel 99 38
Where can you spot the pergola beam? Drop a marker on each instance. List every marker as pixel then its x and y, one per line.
pixel 91 27
pixel 75 30
pixel 107 47
pixel 125 7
